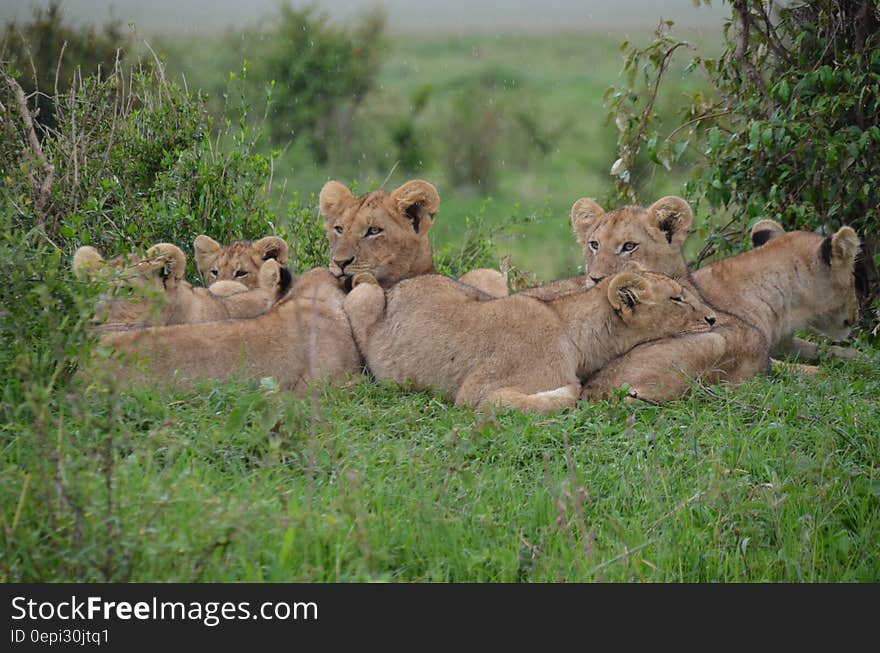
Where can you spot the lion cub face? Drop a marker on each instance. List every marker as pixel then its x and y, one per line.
pixel 240 261
pixel 381 233
pixel 139 286
pixel 651 237
pixel 654 303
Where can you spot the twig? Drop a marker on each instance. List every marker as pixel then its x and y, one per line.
pixel 561 521
pixel 393 168
pixel 709 248
pixel 742 46
pixel 58 66
pixel 690 122
pixel 45 187
pixel 743 404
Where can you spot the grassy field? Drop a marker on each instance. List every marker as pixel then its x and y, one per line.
pixel 777 480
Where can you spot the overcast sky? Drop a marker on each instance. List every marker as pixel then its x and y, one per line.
pixel 403 15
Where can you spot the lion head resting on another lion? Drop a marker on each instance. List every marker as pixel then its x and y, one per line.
pixel 239 261
pixel 386 234
pixel 151 290
pixel 383 233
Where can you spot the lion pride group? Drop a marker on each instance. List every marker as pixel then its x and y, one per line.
pixel 638 319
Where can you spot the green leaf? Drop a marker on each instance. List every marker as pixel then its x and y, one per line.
pixel 782 91
pixel 754 135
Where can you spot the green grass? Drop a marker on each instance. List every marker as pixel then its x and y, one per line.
pixel 776 481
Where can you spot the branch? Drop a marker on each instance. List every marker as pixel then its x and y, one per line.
pixel 36 149
pixel 705 116
pixel 742 46
pixel 772 37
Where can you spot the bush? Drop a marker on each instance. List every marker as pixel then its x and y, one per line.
pixel 133 160
pixel 791 131
pixel 131 145
pixel 473 132
pixel 48 53
pixel 321 74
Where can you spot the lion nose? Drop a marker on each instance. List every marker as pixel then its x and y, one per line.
pixel 342 263
pixel 710 319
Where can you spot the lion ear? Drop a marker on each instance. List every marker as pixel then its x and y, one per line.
pixel 168 260
pixel 270 274
pixel 271 247
pixel 333 199
pixel 840 250
pixel 765 230
pixel 87 260
pixel 673 216
pixel 204 247
pixel 626 289
pixel 583 215
pixel 419 202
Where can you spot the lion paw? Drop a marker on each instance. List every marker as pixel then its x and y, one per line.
pixel 363 277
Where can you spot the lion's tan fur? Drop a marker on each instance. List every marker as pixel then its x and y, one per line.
pixel 763 296
pixel 216 349
pixel 519 351
pixel 239 261
pixel 657 231
pixel 304 336
pixel 151 290
pixel 386 234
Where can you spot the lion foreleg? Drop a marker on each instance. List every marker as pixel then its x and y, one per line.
pixel 364 306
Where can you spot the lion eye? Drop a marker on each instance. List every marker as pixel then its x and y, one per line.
pixel 372 231
pixel 213 273
pixel 594 245
pixel 338 228
pixel 678 298
pixel 629 246
pixel 240 273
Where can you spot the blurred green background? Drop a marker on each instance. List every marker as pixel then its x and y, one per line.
pixel 500 105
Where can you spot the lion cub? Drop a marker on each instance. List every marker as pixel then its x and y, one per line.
pixel 795 280
pixel 239 261
pixel 151 291
pixel 513 351
pixel 304 337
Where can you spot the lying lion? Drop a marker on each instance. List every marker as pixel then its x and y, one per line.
pixel 796 280
pixel 383 233
pixel 516 351
pixel 304 336
pixel 151 291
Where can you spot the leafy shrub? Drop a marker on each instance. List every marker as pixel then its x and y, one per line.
pixel 49 53
pixel 409 146
pixel 790 132
pixel 132 160
pixel 321 73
